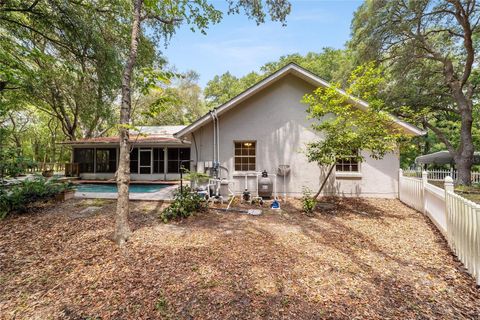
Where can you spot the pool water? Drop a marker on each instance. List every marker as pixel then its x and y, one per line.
pixel 134 188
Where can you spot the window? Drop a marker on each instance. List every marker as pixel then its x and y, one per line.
pixel 134 160
pixel 347 164
pixel 158 160
pixel 245 156
pixel 84 158
pixel 178 157
pixel 106 160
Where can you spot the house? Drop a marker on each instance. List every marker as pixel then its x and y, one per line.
pixel 263 128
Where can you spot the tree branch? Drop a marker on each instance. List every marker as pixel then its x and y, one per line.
pixel 442 137
pixel 170 21
pixel 28 9
pixel 36 31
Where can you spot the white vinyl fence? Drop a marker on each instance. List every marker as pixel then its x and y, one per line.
pixel 440 175
pixel 457 218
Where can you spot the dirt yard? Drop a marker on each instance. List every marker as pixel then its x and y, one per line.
pixel 363 259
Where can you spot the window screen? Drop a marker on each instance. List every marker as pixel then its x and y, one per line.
pixel 178 157
pixel 84 158
pixel 134 160
pixel 158 160
pixel 106 160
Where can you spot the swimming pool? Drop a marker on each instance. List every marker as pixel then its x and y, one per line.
pixel 112 188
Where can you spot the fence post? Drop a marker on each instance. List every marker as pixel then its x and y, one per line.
pixel 424 185
pixel 448 184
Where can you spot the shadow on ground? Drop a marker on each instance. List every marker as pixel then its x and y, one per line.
pixel 360 258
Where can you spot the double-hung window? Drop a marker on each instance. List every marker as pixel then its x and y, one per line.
pixel 245 155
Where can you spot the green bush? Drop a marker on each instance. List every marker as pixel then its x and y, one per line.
pixel 28 191
pixel 196 177
pixel 185 203
pixel 11 164
pixel 308 202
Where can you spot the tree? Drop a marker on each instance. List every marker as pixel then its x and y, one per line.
pixel 226 86
pixel 179 103
pixel 430 50
pixel 163 18
pixel 351 129
pixel 65 58
pixel 330 65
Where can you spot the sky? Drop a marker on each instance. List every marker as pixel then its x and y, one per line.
pixel 239 46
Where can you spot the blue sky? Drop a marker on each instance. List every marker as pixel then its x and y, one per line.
pixel 238 45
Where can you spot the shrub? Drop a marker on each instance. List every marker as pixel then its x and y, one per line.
pixel 28 191
pixel 196 178
pixel 308 202
pixel 11 164
pixel 184 204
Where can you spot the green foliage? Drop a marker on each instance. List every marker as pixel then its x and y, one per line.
pixel 196 176
pixel 346 127
pixel 185 203
pixel 179 102
pixel 330 65
pixel 28 191
pixel 308 202
pixel 162 306
pixel 223 88
pixel 12 164
pixel 429 50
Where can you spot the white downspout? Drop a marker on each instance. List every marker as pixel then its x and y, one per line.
pixel 218 136
pixel 214 136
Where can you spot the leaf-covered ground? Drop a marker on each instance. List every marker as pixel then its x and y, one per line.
pixel 364 259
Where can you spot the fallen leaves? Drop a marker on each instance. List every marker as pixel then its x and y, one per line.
pixel 366 259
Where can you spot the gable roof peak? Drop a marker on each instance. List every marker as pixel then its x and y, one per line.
pixel 302 73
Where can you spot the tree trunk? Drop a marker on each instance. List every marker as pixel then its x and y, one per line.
pixel 324 182
pixel 465 155
pixel 122 229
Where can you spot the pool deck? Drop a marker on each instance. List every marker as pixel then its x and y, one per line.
pixel 165 194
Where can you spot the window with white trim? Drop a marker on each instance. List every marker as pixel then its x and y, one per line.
pixel 347 164
pixel 245 155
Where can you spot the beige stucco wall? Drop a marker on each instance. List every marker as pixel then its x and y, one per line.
pixel 276 119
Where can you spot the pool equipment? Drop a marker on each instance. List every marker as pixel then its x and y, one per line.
pixel 283 171
pixel 219 189
pixel 265 185
pixel 275 205
pixel 246 195
pixel 216 143
pixel 202 191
